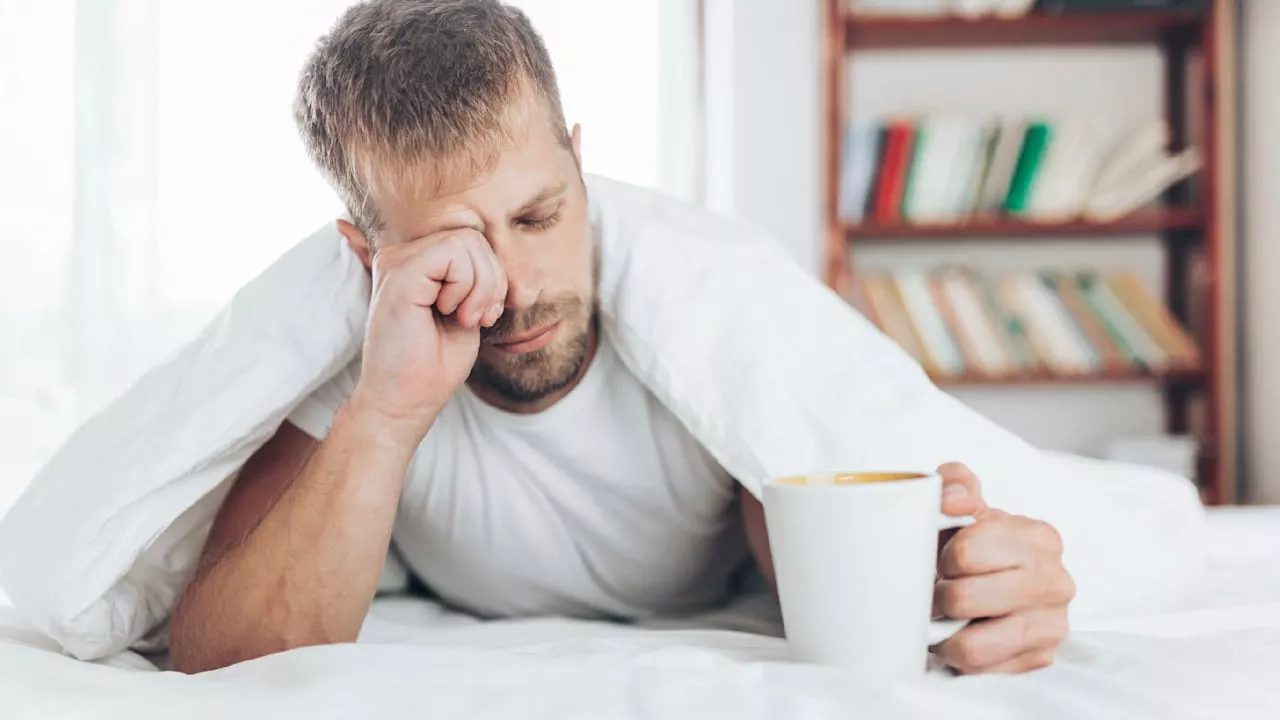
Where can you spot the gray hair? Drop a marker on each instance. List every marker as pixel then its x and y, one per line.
pixel 399 83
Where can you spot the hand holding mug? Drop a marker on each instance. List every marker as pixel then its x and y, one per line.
pixel 1005 572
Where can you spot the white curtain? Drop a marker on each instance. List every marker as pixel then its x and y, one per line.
pixel 149 166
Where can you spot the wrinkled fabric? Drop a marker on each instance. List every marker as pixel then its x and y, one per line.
pixel 769 370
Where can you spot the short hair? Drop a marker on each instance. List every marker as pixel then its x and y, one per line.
pixel 396 84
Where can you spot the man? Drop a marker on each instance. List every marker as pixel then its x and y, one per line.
pixel 488 429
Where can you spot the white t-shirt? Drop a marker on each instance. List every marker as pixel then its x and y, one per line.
pixel 602 505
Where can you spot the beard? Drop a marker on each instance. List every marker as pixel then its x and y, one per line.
pixel 532 376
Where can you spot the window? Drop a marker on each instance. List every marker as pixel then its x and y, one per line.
pixel 121 236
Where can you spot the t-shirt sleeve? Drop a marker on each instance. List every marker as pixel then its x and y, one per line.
pixel 314 415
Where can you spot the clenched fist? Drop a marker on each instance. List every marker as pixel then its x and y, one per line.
pixel 430 298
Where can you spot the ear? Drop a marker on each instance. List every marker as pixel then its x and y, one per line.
pixel 356 241
pixel 575 140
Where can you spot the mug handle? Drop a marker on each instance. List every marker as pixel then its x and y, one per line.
pixel 942 628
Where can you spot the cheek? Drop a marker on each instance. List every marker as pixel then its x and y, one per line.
pixel 573 253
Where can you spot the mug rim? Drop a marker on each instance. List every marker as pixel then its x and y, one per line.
pixel 913 476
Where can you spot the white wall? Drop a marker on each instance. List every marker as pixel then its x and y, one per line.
pixel 768 123
pixel 1261 187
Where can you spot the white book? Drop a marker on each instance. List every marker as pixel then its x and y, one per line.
pixel 973 320
pixel 925 316
pixel 1003 162
pixel 1065 355
pixel 1131 153
pixel 988 141
pixel 1067 325
pixel 858 170
pixel 937 145
pixel 1061 193
pixel 970 153
pixel 1106 205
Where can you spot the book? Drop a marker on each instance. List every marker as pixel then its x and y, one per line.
pixel 1156 320
pixel 858 169
pixel 1034 148
pixel 891 318
pixel 895 163
pixel 958 322
pixel 1014 333
pixel 946 169
pixel 976 324
pixel 1110 355
pixel 1004 160
pixel 913 287
pixel 1149 354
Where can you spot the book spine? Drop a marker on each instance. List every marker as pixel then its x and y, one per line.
pixel 1027 168
pixel 1152 356
pixel 1010 291
pixel 1010 323
pixel 1088 286
pixel 973 361
pixel 928 322
pixel 888 308
pixel 1087 321
pixel 894 173
pixel 1083 354
pixel 976 324
pixel 1178 345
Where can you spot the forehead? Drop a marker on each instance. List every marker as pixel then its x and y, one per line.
pixel 461 191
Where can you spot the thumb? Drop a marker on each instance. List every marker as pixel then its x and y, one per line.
pixel 961 491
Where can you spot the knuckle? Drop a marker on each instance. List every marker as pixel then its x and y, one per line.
pixel 967 652
pixel 955 600
pixel 1047 537
pixel 1066 587
pixel 1028 629
pixel 964 550
pixel 1040 660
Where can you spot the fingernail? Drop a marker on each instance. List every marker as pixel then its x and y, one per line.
pixel 955 492
pixel 495 311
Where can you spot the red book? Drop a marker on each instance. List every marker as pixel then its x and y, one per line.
pixel 893 175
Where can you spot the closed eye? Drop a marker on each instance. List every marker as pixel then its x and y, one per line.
pixel 536 223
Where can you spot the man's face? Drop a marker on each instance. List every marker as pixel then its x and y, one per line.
pixel 532 208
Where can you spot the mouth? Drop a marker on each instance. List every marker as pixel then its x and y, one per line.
pixel 527 342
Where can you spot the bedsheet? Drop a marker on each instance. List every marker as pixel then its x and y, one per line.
pixel 1212 652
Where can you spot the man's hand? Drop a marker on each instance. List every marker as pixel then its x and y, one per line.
pixel 430 299
pixel 1006 572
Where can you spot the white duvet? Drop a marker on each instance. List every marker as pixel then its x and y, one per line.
pixel 1211 652
pixel 769 370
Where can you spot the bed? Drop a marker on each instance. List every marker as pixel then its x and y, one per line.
pixel 1213 651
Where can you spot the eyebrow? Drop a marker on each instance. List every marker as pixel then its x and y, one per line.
pixel 541 197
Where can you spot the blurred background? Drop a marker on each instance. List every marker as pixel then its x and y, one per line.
pixel 1060 207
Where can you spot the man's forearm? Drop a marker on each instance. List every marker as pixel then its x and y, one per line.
pixel 306 574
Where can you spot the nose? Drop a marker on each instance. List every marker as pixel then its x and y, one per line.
pixel 524 278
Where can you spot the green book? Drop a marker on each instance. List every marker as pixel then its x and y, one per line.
pixel 909 201
pixel 1030 161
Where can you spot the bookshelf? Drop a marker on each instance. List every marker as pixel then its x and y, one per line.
pixel 1137 223
pixel 1187 221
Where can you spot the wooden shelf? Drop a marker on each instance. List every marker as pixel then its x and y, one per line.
pixel 878 32
pixel 1198 240
pixel 1046 378
pixel 1151 221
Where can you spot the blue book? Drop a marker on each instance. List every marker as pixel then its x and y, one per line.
pixel 858 169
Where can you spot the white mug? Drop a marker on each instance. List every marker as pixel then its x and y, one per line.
pixel 855 558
